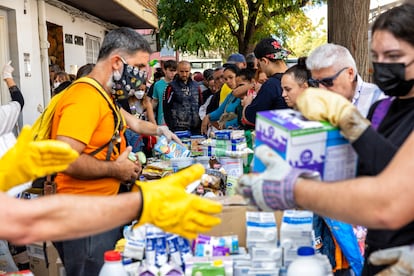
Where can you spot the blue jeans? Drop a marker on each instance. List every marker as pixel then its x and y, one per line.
pixel 85 256
pixel 134 140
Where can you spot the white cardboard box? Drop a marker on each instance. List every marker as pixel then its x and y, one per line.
pixel 305 144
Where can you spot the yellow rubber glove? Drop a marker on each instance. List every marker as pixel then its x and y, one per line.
pixel 323 105
pixel 29 159
pixel 167 205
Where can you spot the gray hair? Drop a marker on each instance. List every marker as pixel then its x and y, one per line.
pixel 330 55
pixel 123 40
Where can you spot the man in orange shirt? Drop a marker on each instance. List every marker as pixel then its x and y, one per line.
pixel 88 118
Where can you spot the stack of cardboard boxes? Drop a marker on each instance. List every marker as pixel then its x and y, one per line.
pixel 45 262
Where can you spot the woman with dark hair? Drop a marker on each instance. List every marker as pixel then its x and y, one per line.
pixel 225 116
pixel 391 122
pixel 295 81
pixel 61 82
pixel 84 70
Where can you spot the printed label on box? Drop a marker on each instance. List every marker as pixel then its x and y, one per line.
pixel 305 144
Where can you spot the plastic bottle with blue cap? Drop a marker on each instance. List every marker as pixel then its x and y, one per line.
pixel 307 264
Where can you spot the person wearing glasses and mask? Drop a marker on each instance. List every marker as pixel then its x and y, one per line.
pixel 383 202
pixel 333 68
pixel 93 124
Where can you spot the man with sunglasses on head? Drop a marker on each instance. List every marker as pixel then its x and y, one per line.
pixel 333 68
pixel 91 122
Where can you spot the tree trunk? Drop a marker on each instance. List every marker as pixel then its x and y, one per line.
pixel 348 26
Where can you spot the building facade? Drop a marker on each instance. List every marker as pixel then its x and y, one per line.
pixel 37 33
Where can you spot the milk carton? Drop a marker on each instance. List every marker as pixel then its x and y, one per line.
pixel 305 144
pixel 296 230
pixel 316 146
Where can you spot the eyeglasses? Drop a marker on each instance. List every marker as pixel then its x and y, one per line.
pixel 327 82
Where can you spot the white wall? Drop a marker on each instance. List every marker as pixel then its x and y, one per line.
pixel 74 54
pixel 28 42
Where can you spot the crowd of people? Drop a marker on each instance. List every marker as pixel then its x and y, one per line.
pixel 107 111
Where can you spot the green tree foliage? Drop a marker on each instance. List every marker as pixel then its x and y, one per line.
pixel 302 41
pixel 228 26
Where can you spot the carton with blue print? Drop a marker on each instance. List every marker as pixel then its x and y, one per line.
pixel 305 144
pixel 316 146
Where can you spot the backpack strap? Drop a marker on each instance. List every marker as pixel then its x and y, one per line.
pixel 119 119
pixel 380 112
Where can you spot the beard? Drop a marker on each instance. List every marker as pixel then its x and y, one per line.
pixel 110 83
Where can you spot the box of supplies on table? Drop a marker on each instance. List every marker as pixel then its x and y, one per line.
pixel 305 144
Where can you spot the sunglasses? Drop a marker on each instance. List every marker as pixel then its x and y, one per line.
pixel 327 82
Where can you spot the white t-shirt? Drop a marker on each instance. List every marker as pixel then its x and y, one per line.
pixel 9 113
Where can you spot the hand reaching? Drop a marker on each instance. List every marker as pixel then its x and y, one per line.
pixel 400 259
pixel 323 105
pixel 167 205
pixel 29 159
pixel 127 170
pixel 274 188
pixel 164 130
pixel 7 71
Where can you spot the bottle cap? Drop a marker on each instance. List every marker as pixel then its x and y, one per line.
pixel 112 255
pixel 306 251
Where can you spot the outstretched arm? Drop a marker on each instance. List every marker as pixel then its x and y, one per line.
pixel 61 217
pixel 384 201
pixel 164 203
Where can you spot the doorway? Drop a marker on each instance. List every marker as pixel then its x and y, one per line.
pixel 56 49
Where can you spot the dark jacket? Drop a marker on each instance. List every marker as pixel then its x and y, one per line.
pixel 375 150
pixel 181 103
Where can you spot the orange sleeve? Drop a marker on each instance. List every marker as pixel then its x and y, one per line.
pixel 83 114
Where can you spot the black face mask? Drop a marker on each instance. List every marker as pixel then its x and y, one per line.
pixel 127 83
pixel 390 77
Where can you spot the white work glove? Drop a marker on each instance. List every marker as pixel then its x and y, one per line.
pixel 400 259
pixel 323 105
pixel 164 130
pixel 7 70
pixel 274 188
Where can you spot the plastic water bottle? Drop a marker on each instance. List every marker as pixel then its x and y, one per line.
pixel 113 265
pixel 306 264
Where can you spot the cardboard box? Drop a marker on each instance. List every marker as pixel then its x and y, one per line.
pixel 305 144
pixel 233 219
pixel 38 262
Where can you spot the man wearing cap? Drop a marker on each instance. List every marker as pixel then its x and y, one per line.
pixel 237 59
pixel 270 58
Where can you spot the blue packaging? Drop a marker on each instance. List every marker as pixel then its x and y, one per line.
pixel 156 249
pixel 174 250
pixel 223 134
pixel 171 149
pixel 183 134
